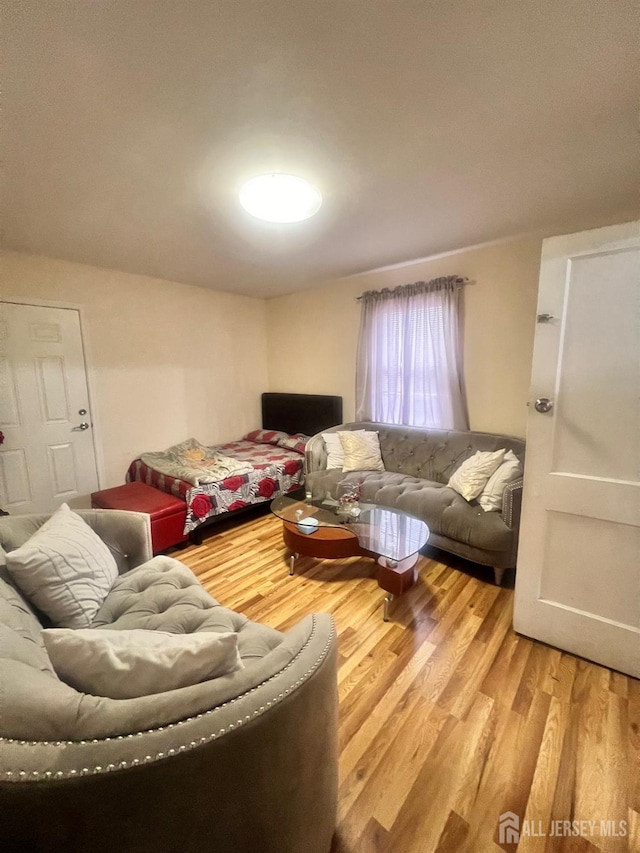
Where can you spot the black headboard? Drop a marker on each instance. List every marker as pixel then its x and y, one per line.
pixel 306 413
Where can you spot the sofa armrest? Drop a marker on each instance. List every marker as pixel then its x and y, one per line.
pixel 220 775
pixel 128 532
pixel 315 454
pixel 511 509
pixel 512 504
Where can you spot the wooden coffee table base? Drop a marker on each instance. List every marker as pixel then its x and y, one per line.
pixel 333 543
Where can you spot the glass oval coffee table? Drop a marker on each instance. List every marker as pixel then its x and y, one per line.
pixel 326 530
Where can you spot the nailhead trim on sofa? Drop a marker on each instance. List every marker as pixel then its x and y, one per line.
pixel 36 775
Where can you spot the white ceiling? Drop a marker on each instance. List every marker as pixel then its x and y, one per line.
pixel 428 126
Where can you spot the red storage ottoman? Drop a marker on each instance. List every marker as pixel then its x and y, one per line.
pixel 167 512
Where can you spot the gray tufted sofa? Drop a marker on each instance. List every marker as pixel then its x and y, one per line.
pixel 245 762
pixel 419 463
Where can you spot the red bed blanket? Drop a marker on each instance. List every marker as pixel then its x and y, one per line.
pixel 275 471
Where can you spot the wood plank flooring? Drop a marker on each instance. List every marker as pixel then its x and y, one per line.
pixel 448 719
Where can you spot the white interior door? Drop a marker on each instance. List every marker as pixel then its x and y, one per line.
pixel 48 454
pixel 578 578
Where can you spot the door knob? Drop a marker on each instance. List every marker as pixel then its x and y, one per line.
pixel 543 405
pixel 81 427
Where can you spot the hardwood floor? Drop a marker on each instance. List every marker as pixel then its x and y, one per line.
pixel 448 719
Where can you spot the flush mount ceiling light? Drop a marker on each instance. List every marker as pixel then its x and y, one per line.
pixel 280 198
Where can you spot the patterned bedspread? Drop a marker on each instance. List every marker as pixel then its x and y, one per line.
pixel 194 463
pixel 275 471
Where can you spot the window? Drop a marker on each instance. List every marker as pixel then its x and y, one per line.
pixel 408 368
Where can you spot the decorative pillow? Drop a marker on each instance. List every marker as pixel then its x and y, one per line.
pixel 265 436
pixel 335 450
pixel 335 453
pixel 65 569
pixel 472 476
pixel 297 442
pixel 127 664
pixel 361 451
pixel 510 470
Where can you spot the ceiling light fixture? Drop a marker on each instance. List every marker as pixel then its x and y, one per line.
pixel 280 198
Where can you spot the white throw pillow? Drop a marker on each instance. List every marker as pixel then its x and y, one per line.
pixel 472 476
pixel 361 451
pixel 510 470
pixel 128 664
pixel 65 569
pixel 335 451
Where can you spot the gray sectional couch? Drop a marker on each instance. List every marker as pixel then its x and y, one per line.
pixel 418 464
pixel 244 762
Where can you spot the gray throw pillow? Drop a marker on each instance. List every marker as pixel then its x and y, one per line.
pixel 64 569
pixel 129 664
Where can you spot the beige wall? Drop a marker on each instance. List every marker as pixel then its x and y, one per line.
pixel 167 361
pixel 313 334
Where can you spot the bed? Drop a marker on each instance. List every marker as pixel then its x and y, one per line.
pixel 274 457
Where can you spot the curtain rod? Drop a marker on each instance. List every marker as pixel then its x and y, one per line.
pixel 455 279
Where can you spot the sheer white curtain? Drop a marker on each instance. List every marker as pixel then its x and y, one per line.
pixel 409 367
